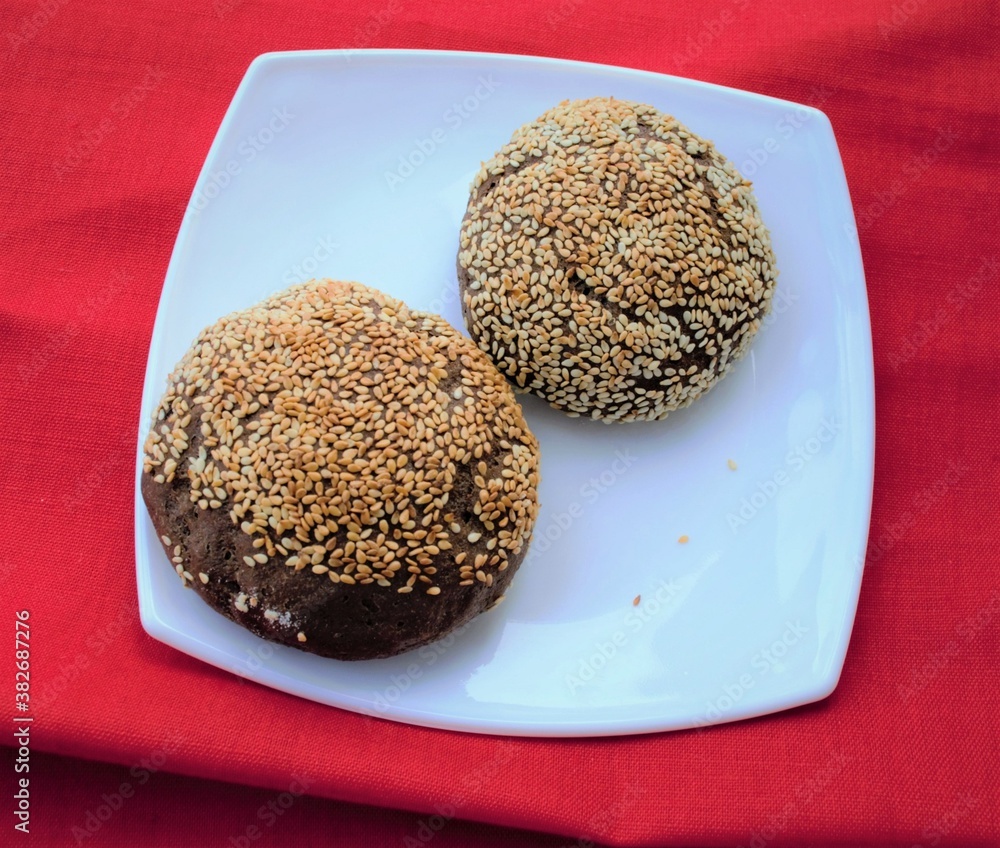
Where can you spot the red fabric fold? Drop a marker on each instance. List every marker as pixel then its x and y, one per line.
pixel 106 114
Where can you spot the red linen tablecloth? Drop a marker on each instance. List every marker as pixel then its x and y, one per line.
pixel 107 110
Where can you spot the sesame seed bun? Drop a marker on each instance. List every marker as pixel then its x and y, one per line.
pixel 337 472
pixel 613 262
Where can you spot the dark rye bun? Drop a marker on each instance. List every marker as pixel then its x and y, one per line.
pixel 337 472
pixel 612 262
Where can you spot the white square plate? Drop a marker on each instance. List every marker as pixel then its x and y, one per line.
pixel 356 165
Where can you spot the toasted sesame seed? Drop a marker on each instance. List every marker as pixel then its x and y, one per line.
pixel 300 636
pixel 166 540
pixel 337 428
pixel 683 540
pixel 636 599
pixel 202 576
pixel 434 590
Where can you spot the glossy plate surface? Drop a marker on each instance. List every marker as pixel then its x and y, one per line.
pixel 356 165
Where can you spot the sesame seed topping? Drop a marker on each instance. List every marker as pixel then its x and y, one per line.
pixel 732 464
pixel 612 262
pixel 636 599
pixel 202 576
pixel 300 636
pixel 346 434
pixel 683 540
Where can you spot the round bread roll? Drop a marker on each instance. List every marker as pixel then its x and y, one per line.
pixel 612 262
pixel 337 472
